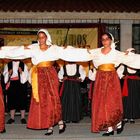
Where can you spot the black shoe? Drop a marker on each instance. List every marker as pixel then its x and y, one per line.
pixel 119 130
pixel 132 121
pixel 3 131
pixel 67 121
pixel 49 132
pixel 108 133
pixel 75 122
pixel 10 121
pixel 63 128
pixel 125 120
pixel 23 121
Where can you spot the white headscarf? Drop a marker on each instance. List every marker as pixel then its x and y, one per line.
pixel 113 45
pixel 45 31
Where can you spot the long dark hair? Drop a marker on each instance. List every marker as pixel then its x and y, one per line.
pixel 108 34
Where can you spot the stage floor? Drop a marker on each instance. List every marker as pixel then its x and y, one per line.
pixel 74 131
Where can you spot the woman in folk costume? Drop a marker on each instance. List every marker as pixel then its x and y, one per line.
pixel 15 76
pixel 130 91
pixel 2 111
pixel 2 106
pixel 71 75
pixel 107 109
pixel 45 108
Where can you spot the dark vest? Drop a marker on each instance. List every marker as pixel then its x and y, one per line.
pixel 125 72
pixel 77 74
pixel 21 64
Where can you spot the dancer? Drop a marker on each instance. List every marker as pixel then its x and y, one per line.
pixel 2 111
pixel 45 108
pixel 15 76
pixel 71 75
pixel 130 91
pixel 107 108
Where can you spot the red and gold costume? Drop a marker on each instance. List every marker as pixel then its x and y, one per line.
pixel 107 110
pixel 45 108
pixel 2 110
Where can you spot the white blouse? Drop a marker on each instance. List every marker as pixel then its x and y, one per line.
pixel 36 55
pixel 23 76
pixel 73 54
pixel 114 56
pixel 71 70
pixel 120 71
pixel 92 74
pixel 33 46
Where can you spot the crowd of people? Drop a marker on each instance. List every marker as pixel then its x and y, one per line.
pixel 57 96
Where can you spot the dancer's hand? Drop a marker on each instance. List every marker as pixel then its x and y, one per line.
pixel 10 72
pixel 26 47
pixel 20 70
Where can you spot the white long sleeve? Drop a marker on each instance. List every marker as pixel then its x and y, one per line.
pixel 115 57
pixel 98 58
pixel 71 54
pixel 51 54
pixel 76 55
pixel 61 74
pixel 24 76
pixel 120 71
pixel 133 61
pixel 30 79
pixel 6 74
pixel 82 73
pixel 71 70
pixel 13 52
pixel 2 53
pixel 33 46
pixel 92 74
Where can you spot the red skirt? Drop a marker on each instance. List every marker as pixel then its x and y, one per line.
pixel 107 109
pixel 2 116
pixel 46 112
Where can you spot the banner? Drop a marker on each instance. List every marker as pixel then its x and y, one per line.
pixel 77 37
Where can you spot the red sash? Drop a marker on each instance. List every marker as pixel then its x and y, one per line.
pixel 125 85
pixel 8 83
pixel 14 78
